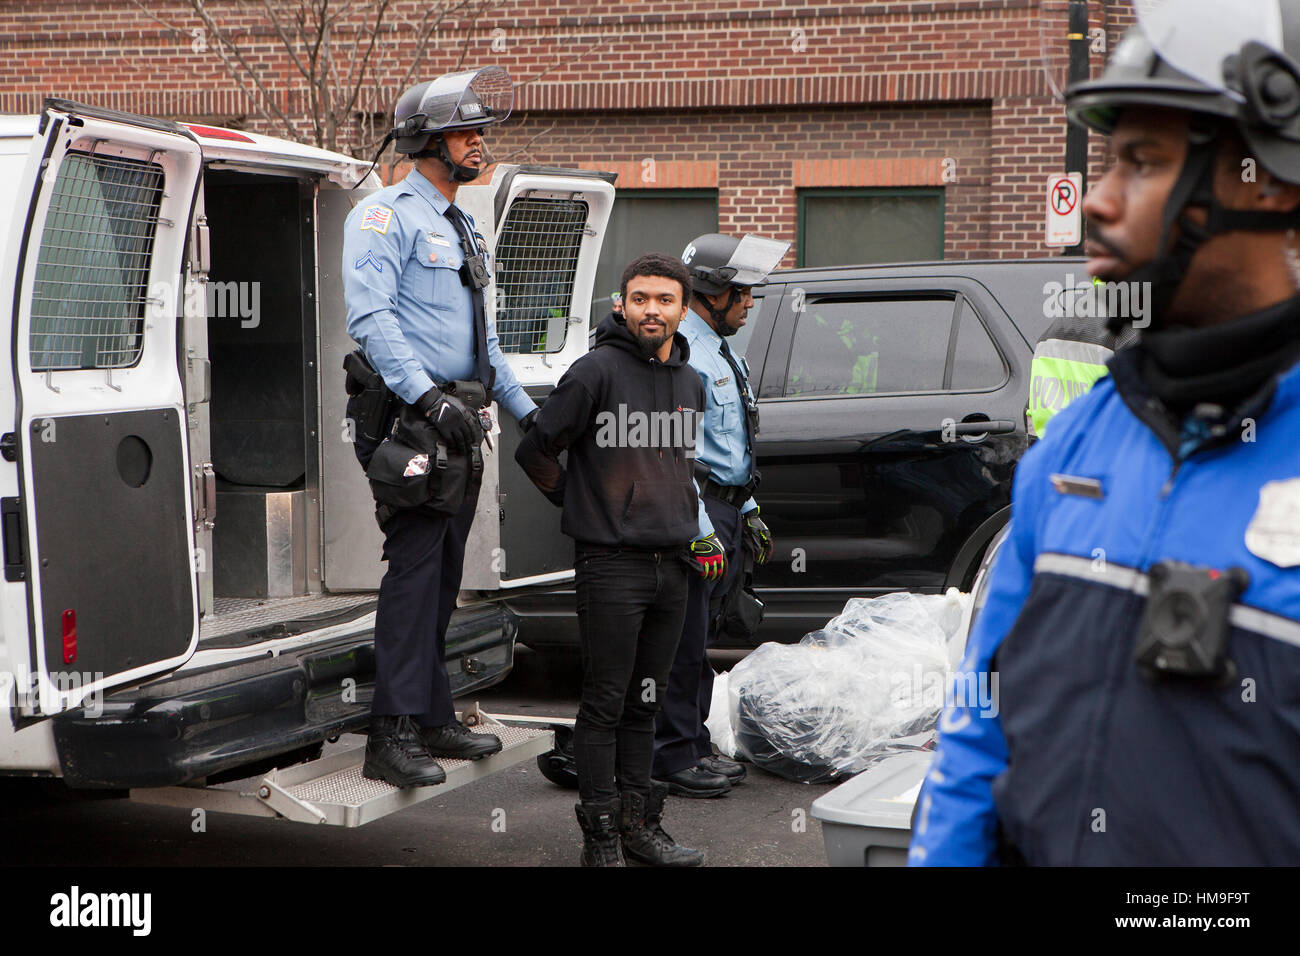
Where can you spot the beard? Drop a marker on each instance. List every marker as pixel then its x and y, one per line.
pixel 649 343
pixel 726 330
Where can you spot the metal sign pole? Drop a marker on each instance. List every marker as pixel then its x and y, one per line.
pixel 1076 137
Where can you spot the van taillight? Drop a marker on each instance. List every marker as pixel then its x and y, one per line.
pixel 69 636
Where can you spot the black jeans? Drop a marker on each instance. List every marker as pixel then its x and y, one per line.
pixel 631 605
pixel 681 739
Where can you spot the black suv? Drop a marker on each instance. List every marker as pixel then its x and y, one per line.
pixel 892 404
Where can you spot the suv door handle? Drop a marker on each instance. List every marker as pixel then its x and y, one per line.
pixel 974 430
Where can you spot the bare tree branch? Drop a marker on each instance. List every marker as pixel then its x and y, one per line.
pixel 341 55
pixel 365 60
pixel 588 48
pixel 426 31
pixel 523 150
pixel 152 16
pixel 469 32
pixel 266 101
pixel 288 44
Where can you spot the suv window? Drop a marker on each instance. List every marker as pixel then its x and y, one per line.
pixel 976 362
pixel 870 345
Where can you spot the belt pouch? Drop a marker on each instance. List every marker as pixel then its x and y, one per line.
pixel 414 468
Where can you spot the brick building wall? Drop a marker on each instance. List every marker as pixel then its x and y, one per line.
pixel 756 98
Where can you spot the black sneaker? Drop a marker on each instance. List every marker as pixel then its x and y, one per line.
pixel 395 754
pixel 456 741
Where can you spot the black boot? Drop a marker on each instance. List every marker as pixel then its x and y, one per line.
pixel 394 753
pixel 644 840
pixel 456 741
pixel 599 822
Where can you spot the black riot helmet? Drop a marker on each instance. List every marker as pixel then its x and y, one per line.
pixel 472 99
pixel 718 263
pixel 1224 62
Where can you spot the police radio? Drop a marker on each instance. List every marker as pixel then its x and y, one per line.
pixel 1184 632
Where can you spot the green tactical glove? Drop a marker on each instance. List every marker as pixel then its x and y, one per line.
pixel 757 537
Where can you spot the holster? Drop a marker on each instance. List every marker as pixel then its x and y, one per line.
pixel 742 611
pixel 474 395
pixel 375 400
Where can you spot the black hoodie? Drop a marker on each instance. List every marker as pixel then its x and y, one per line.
pixel 630 467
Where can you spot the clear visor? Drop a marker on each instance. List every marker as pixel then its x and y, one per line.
pixel 755 258
pixel 493 98
pixel 1196 36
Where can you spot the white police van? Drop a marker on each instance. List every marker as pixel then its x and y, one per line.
pixel 190 551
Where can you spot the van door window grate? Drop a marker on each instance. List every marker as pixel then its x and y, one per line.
pixel 537 257
pixel 92 274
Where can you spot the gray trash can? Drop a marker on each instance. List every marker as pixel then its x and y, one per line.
pixel 867 821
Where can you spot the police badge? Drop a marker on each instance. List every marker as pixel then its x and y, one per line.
pixel 1274 531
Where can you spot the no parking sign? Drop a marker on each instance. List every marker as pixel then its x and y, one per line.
pixel 1064 215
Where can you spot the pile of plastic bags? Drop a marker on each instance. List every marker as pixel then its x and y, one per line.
pixel 870 683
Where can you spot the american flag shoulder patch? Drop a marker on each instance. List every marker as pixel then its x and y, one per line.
pixel 377 218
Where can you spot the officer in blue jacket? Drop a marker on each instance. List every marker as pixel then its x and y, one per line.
pixel 1141 635
pixel 409 261
pixel 723 271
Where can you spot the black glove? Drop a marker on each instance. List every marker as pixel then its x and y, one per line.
pixel 757 537
pixel 526 422
pixel 456 424
pixel 706 557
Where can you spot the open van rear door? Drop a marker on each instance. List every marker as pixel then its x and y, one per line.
pixel 545 227
pixel 99 532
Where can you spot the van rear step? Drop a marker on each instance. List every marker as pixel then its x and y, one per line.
pixel 333 791
pixel 237 622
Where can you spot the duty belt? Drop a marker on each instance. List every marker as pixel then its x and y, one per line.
pixel 731 494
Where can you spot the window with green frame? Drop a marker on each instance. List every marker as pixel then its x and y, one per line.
pixel 839 227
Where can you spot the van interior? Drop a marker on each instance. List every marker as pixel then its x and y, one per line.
pixel 261 346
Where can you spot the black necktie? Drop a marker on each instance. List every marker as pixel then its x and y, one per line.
pixel 742 386
pixel 482 362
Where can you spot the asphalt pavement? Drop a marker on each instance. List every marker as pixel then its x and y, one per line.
pixel 513 818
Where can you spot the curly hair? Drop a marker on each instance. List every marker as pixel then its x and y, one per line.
pixel 660 265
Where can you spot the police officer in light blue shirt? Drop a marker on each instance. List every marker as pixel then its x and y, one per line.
pixel 410 285
pixel 723 271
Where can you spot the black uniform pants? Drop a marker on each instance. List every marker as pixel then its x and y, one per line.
pixel 681 739
pixel 630 607
pixel 425 555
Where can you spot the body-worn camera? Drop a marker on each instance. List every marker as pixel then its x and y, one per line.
pixel 1184 632
pixel 475 272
